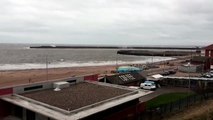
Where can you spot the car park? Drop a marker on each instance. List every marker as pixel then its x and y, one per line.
pixel 148 85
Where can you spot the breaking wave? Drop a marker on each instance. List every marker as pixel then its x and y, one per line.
pixel 63 64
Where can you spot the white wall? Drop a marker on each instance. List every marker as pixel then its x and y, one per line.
pixel 191 69
pixel 20 89
pixel 45 85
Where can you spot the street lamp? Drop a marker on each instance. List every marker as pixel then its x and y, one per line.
pixel 164 62
pixel 189 64
pixel 116 62
pixel 203 65
pixel 47 68
pixel 152 59
pixel 152 62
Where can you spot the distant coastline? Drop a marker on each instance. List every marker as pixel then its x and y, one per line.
pixel 109 47
pixel 71 47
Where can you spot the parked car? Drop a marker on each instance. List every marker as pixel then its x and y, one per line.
pixel 172 71
pixel 148 85
pixel 165 73
pixel 206 75
pixel 211 74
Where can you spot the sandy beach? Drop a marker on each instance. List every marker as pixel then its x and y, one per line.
pixel 16 77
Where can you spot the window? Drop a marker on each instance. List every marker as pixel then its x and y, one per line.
pixel 71 81
pixel 33 87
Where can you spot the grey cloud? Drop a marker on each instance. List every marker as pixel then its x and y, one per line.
pixel 133 22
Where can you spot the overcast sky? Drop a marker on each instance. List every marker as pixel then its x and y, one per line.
pixel 107 22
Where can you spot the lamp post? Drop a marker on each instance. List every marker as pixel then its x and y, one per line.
pixel 211 63
pixel 105 78
pixel 203 65
pixel 152 61
pixel 116 62
pixel 47 68
pixel 164 62
pixel 189 64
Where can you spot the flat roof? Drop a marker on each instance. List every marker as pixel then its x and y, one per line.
pixel 75 96
pixel 77 101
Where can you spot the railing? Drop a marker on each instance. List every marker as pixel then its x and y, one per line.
pixel 161 111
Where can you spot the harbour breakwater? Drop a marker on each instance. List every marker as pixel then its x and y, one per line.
pixel 113 47
pixel 156 53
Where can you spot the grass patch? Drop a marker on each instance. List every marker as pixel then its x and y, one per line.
pixel 165 99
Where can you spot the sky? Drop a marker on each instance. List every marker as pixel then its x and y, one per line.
pixel 107 22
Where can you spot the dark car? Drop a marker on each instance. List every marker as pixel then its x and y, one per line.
pixel 165 73
pixel 172 72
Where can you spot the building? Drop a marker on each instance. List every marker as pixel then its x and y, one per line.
pixel 209 51
pixel 191 68
pixel 126 79
pixel 69 99
pixel 195 82
pixel 205 62
pixel 202 61
pixel 209 54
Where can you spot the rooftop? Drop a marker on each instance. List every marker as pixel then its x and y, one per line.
pixel 75 102
pixel 210 47
pixel 76 96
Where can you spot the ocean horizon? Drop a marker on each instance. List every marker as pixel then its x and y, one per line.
pixel 21 57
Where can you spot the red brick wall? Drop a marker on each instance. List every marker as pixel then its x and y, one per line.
pixel 211 61
pixel 6 91
pixel 91 77
pixel 141 107
pixel 5 107
pixel 211 55
pixel 207 53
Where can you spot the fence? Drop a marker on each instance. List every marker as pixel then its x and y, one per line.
pixel 195 83
pixel 159 112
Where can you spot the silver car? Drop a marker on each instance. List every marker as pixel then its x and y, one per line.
pixel 148 85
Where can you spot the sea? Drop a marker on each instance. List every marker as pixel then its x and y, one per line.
pixel 21 57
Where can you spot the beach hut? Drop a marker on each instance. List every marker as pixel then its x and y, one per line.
pixel 128 69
